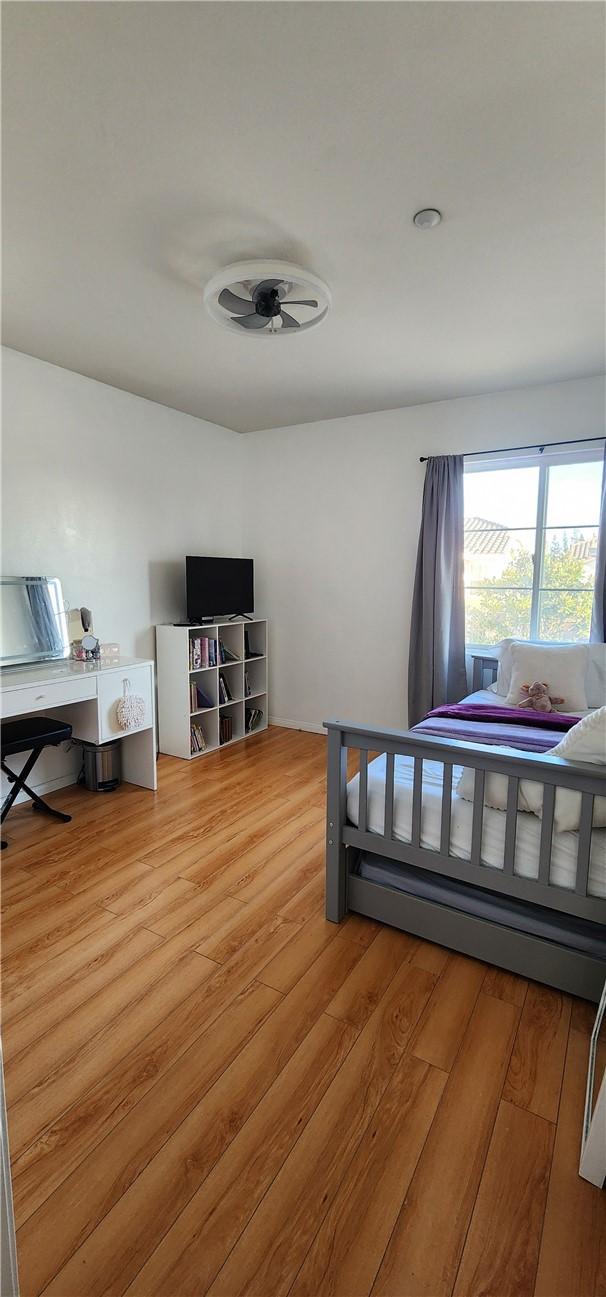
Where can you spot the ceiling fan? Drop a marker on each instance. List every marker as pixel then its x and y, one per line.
pixel 266 298
pixel 264 306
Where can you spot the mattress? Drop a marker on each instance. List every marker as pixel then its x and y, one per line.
pixel 564 845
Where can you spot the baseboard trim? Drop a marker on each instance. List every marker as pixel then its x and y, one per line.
pixel 49 786
pixel 310 728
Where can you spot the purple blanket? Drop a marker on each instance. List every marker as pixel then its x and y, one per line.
pixel 517 715
pixel 508 727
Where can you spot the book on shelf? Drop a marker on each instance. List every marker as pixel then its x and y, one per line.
pixel 202 652
pixel 225 695
pixel 197 739
pixel 199 701
pixel 254 717
pixel 226 655
pixel 248 652
pixel 225 729
pixel 247 688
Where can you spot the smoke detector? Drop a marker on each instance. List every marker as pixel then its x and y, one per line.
pixel 266 298
pixel 427 218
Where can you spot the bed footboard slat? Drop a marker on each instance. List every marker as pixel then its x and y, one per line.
pixel 511 824
pixel 446 810
pixel 546 833
pixel 417 793
pixel 363 792
pixel 389 776
pixel 478 818
pixel 584 849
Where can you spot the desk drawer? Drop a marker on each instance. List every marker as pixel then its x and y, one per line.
pixel 43 697
pixel 111 690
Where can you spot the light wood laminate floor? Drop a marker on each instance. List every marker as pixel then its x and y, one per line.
pixel 213 1090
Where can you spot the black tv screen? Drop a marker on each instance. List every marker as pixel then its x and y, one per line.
pixel 218 586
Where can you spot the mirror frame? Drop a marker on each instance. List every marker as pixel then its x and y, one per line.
pixel 18 660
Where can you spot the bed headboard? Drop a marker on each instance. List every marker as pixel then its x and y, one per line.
pixel 483 671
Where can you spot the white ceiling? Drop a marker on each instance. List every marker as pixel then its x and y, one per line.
pixel 148 144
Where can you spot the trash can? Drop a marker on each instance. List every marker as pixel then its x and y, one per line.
pixel 101 766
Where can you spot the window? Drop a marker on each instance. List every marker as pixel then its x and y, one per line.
pixel 531 533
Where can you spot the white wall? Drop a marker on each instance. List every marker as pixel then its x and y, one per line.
pixel 332 521
pixel 109 492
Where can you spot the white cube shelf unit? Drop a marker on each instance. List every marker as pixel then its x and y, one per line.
pixel 234 689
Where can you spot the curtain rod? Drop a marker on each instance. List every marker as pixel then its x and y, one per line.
pixel 540 446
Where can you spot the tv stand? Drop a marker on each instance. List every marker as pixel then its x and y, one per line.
pixel 221 703
pixel 238 616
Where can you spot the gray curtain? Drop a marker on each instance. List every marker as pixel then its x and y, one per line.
pixel 436 670
pixel 598 612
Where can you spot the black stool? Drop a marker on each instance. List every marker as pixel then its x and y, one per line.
pixel 35 733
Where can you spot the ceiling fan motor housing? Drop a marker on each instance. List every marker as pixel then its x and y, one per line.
pixel 267 298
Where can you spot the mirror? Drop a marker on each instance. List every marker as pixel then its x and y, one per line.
pixel 593 1153
pixel 33 620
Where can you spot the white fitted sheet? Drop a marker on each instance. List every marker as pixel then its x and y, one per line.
pixel 564 845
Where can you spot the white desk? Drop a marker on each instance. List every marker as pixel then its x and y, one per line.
pixel 85 695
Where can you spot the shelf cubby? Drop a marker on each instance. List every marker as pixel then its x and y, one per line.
pixel 258 703
pixel 255 677
pixel 233 675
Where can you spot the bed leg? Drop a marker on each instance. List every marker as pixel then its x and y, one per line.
pixel 336 860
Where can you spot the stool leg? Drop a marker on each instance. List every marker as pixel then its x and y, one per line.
pixel 19 785
pixel 17 781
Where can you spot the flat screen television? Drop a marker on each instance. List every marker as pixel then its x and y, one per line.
pixel 217 587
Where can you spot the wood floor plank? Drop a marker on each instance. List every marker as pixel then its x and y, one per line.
pixel 224 943
pixel 53 1048
pixel 194 1249
pixel 251 848
pixel 427 1242
pixel 309 844
pixel 366 985
pixel 30 1027
pixel 357 928
pixel 117 1248
pixel 46 925
pixel 66 1142
pixel 22 990
pixel 36 955
pixel 572 1259
pixel 505 986
pixel 502 1247
pixel 54 1093
pixel 310 901
pixel 274 1244
pixel 444 1022
pixel 535 1073
pixel 285 969
pixel 347 1250
pixel 82 1198
pixel 433 958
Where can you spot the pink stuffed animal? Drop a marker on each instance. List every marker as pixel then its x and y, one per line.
pixel 538 697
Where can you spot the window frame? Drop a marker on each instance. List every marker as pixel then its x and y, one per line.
pixel 499 460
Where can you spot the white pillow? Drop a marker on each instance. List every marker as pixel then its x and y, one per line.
pixel 595 676
pixel 503 653
pixel 584 742
pixel 561 667
pixel 495 790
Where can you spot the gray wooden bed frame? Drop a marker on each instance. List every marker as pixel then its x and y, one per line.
pixel 561 965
